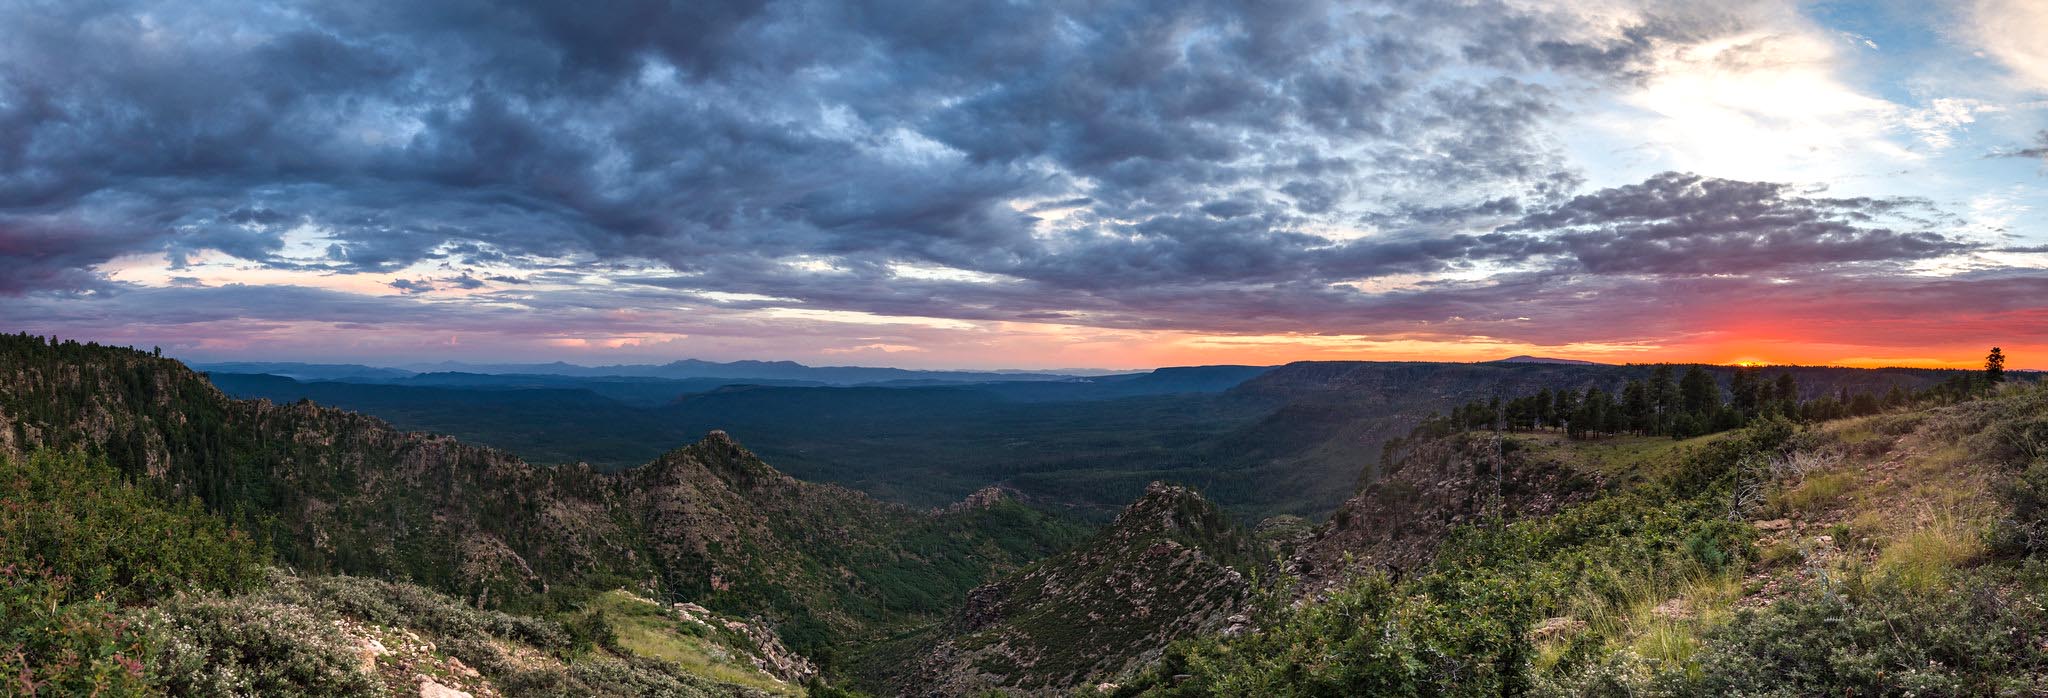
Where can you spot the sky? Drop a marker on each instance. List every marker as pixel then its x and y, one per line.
pixel 978 184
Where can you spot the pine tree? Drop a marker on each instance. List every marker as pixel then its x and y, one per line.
pixel 1994 367
pixel 1747 388
pixel 1698 394
pixel 1663 396
pixel 1635 407
pixel 1787 395
pixel 1565 407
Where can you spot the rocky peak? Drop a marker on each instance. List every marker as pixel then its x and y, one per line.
pixel 723 458
pixel 1175 511
pixel 1171 566
pixel 982 499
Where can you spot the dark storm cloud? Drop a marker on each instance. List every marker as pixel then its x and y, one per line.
pixel 1686 224
pixel 678 131
pixel 1205 165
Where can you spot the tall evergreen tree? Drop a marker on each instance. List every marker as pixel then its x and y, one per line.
pixel 1663 395
pixel 1747 388
pixel 1786 394
pixel 1565 407
pixel 1698 394
pixel 1635 408
pixel 1994 367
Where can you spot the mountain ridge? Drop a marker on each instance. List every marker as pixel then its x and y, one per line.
pixel 1171 566
pixel 708 522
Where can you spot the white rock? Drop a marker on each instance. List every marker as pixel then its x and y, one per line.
pixel 430 688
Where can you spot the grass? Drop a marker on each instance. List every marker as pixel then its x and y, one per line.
pixel 1706 602
pixel 1923 501
pixel 1662 621
pixel 1814 494
pixel 1922 560
pixel 646 629
pixel 1618 458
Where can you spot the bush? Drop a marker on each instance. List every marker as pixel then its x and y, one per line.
pixel 2025 529
pixel 398 603
pixel 603 676
pixel 52 647
pixel 1879 639
pixel 250 647
pixel 462 632
pixel 1369 639
pixel 77 518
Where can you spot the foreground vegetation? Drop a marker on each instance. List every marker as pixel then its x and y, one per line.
pixel 159 539
pixel 1893 554
pixel 107 590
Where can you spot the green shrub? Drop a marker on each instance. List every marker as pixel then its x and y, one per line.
pixel 244 646
pixel 77 518
pixel 49 646
pixel 607 677
pixel 1369 639
pixel 1879 639
pixel 2025 529
pixel 398 603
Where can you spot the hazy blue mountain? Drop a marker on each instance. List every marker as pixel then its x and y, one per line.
pixel 305 371
pixel 747 371
pixel 1527 359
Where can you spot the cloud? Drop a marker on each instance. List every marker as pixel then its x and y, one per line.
pixel 412 285
pixel 690 135
pixel 2010 31
pixel 1154 166
pixel 2039 151
pixel 1686 224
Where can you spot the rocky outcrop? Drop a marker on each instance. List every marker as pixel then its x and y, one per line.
pixel 982 499
pixel 1170 566
pixel 1395 523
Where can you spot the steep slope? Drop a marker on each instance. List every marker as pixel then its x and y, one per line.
pixel 1171 566
pixel 1396 522
pixel 337 492
pixel 97 599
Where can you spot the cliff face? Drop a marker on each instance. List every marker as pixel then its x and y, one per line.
pixel 1395 523
pixel 338 492
pixel 1171 566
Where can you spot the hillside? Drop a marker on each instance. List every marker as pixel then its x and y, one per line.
pixel 1892 555
pixel 1395 522
pixel 107 589
pixel 1171 566
pixel 337 492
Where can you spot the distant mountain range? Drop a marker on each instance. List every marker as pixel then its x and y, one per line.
pixel 687 369
pixel 1527 359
